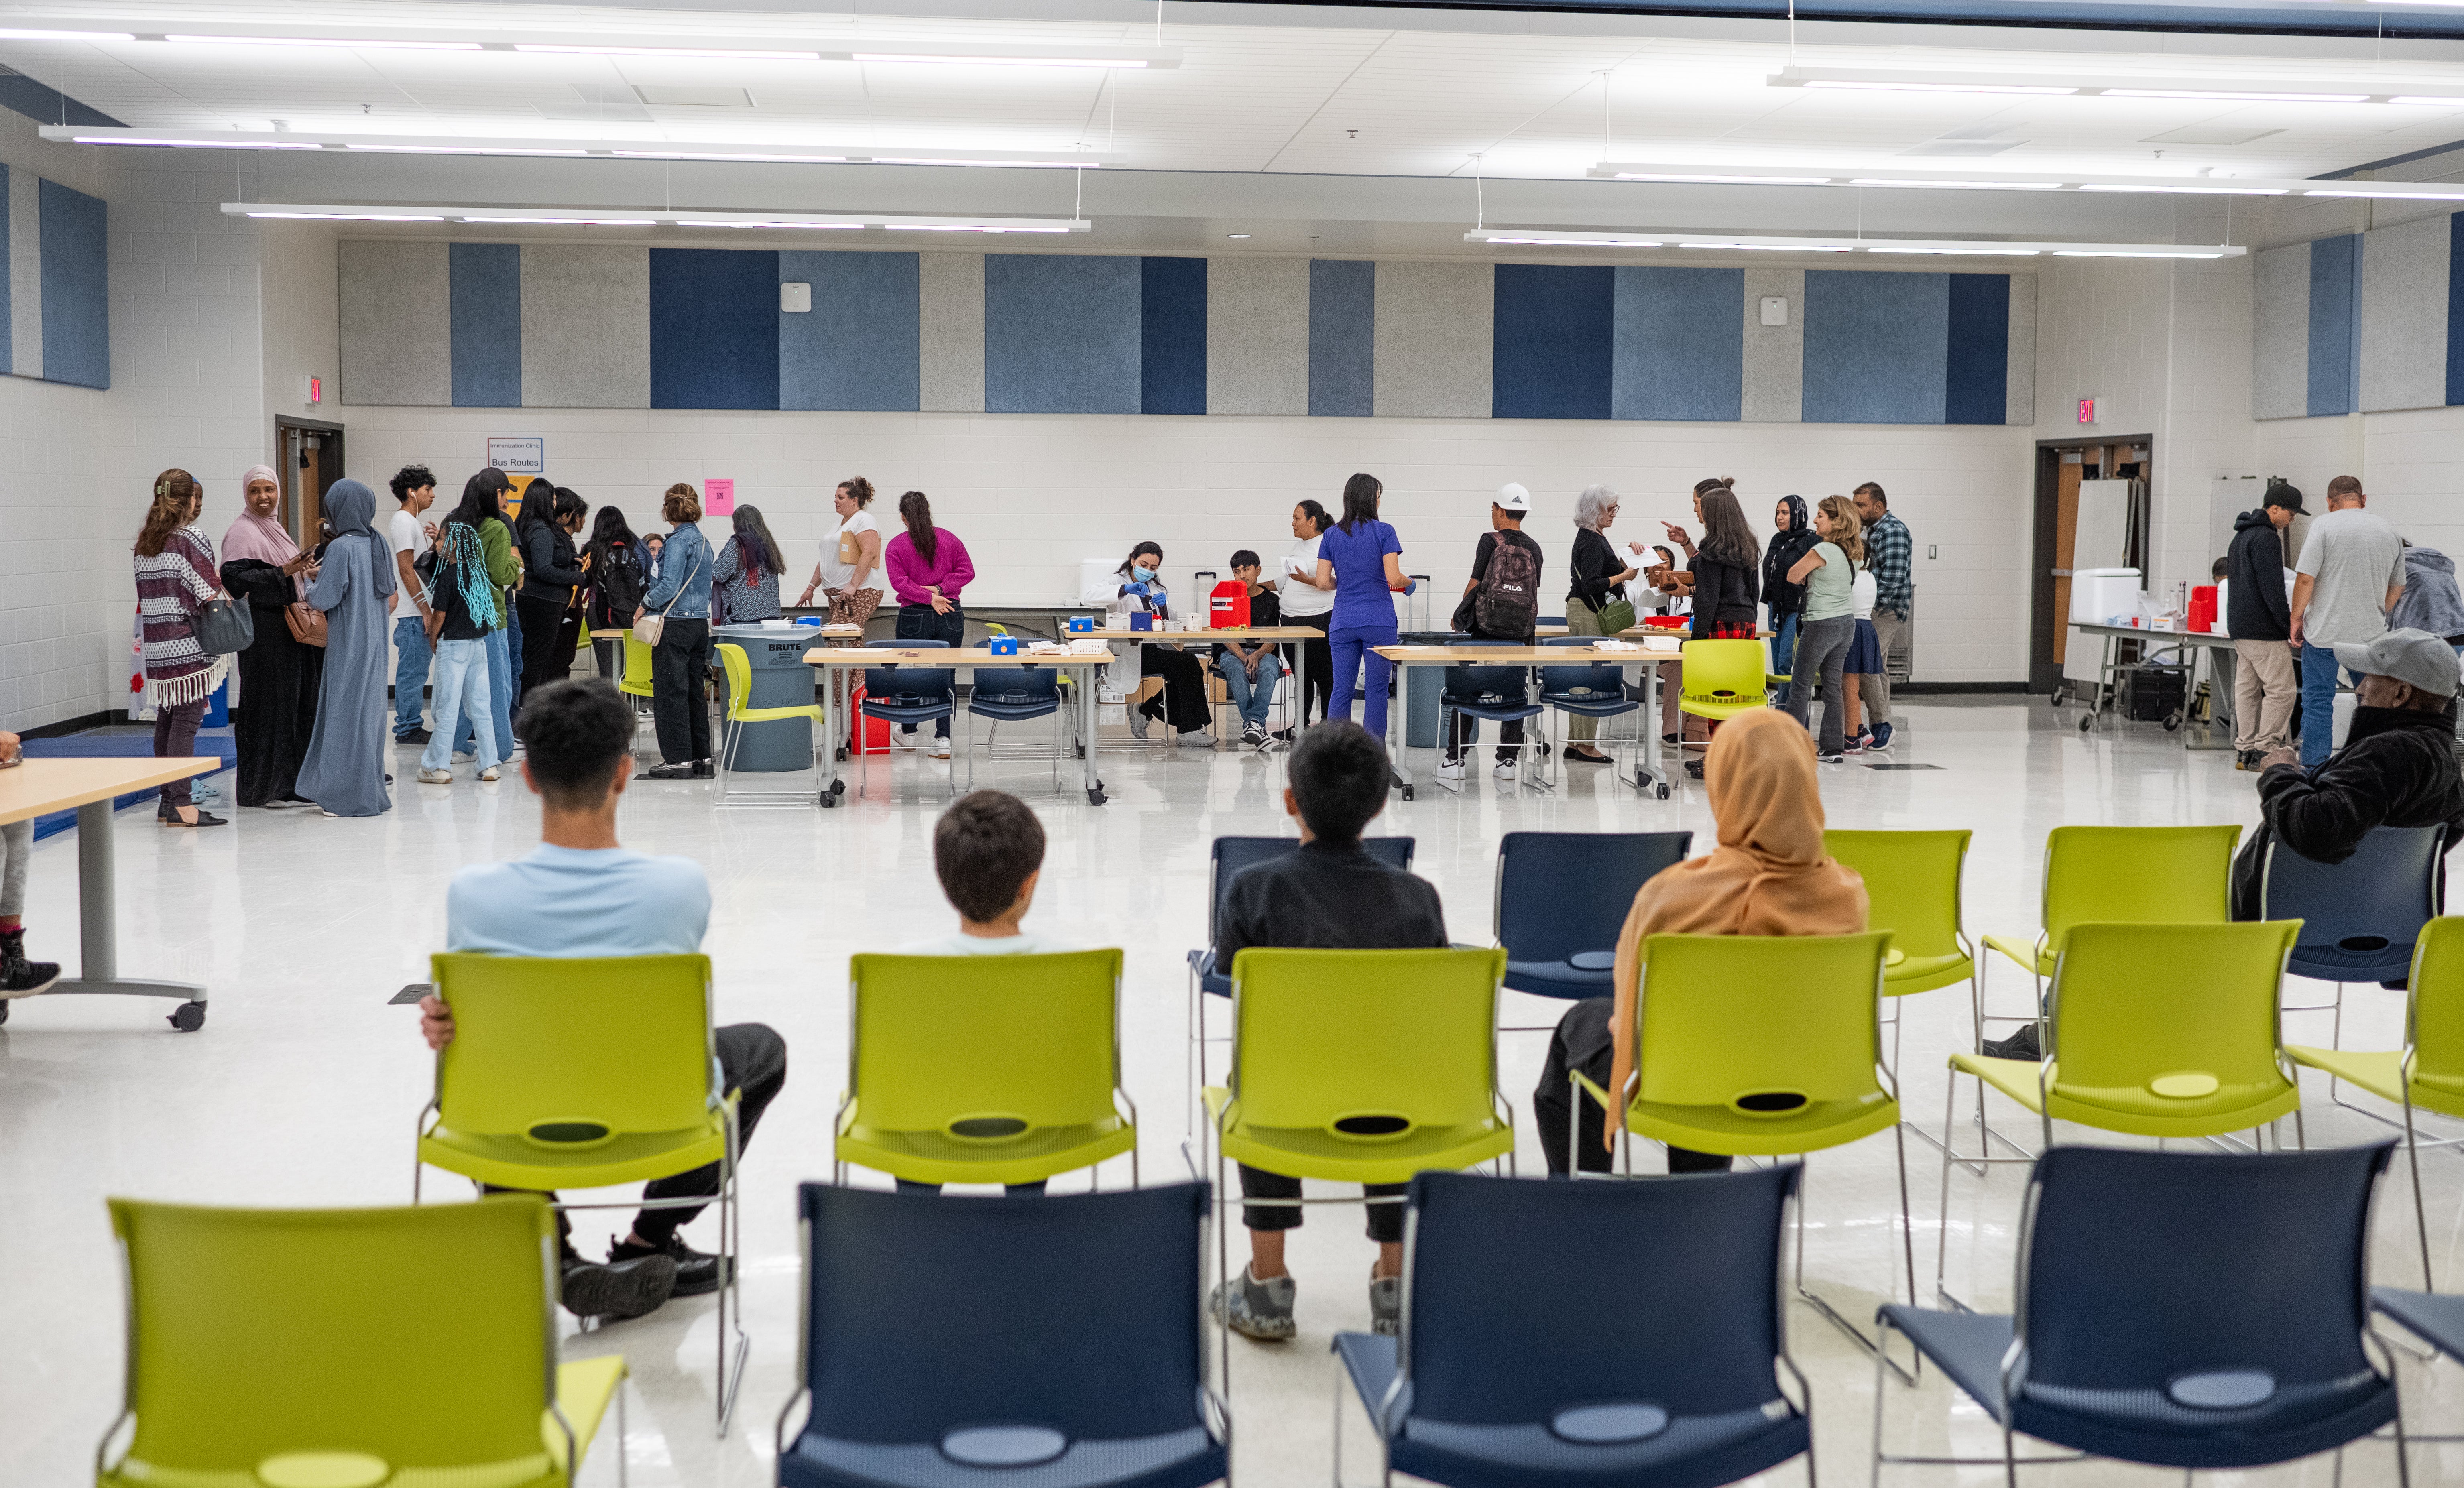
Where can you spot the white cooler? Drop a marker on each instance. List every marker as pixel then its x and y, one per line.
pixel 2097 596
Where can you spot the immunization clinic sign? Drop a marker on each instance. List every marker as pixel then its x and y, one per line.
pixel 518 455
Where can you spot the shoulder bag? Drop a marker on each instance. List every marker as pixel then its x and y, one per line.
pixel 306 623
pixel 650 628
pixel 223 626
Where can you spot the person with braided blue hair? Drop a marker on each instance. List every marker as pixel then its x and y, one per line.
pixel 465 603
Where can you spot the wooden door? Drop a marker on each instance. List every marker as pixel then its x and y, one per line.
pixel 2066 485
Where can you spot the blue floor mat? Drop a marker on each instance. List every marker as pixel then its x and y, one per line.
pixel 131 743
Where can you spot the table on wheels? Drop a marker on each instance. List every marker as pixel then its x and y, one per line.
pixel 848 658
pixel 1299 634
pixel 39 787
pixel 1408 656
pixel 2191 643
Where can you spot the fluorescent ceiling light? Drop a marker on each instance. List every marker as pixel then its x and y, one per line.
pixel 593 48
pixel 658 217
pixel 2244 89
pixel 2377 193
pixel 1541 237
pixel 2025 180
pixel 2430 101
pixel 19 34
pixel 1675 178
pixel 977 60
pixel 2187 189
pixel 362 43
pixel 1956 186
pixel 608 149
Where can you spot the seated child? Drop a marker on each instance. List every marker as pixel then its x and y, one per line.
pixel 1250 668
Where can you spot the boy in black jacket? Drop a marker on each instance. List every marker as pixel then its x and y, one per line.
pixel 2258 615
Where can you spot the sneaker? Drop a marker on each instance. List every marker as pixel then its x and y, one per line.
pixel 1260 1309
pixel 940 745
pixel 1254 734
pixel 436 777
pixel 20 978
pixel 1451 770
pixel 414 737
pixel 2021 1046
pixel 698 1273
pixel 619 1289
pixel 463 757
pixel 2248 760
pixel 1834 758
pixel 1855 743
pixel 1282 735
pixel 1882 737
pixel 1194 738
pixel 902 739
pixel 1505 769
pixel 1137 724
pixel 683 771
pixel 491 774
pixel 1386 1305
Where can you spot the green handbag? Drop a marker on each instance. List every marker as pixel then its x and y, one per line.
pixel 1615 617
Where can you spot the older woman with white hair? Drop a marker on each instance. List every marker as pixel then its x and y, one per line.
pixel 1597 573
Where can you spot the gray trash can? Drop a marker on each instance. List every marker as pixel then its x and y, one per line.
pixel 780 679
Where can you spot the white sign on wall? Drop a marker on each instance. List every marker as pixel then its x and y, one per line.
pixel 518 455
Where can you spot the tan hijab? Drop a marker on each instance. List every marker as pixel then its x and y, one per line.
pixel 1768 875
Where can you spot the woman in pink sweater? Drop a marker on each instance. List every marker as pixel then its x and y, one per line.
pixel 927 568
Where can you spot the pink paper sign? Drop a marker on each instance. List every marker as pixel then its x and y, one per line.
pixel 719 497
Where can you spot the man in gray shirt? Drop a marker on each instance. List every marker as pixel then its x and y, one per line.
pixel 2349 575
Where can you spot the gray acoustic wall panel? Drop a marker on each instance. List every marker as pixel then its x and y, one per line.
pixel 585 327
pixel 2280 372
pixel 1257 335
pixel 2404 316
pixel 2019 389
pixel 25 272
pixel 1775 354
pixel 394 299
pixel 950 289
pixel 1434 355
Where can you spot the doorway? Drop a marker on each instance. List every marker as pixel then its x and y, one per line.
pixel 2061 465
pixel 307 461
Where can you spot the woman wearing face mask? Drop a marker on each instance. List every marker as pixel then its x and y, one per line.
pixel 1182 701
pixel 277 675
pixel 1791 534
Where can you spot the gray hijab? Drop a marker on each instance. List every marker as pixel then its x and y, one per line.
pixel 350 509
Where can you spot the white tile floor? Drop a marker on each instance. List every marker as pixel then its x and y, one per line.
pixel 302 1087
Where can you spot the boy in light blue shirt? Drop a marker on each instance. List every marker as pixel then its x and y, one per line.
pixel 582 894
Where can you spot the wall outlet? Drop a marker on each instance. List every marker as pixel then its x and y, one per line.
pixel 1774 309
pixel 795 299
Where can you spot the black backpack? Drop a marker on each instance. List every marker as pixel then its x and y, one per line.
pixel 1506 605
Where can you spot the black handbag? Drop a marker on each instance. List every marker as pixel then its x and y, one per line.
pixel 223 626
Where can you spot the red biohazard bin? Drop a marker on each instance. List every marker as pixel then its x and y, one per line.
pixel 1227 609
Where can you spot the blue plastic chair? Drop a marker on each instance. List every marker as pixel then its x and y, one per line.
pixel 1508 1376
pixel 1014 694
pixel 2181 1309
pixel 905 695
pixel 1593 690
pixel 1045 1342
pixel 1563 896
pixel 1224 862
pixel 2360 917
pixel 1494 694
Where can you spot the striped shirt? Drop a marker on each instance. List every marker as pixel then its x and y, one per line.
pixel 1891 552
pixel 170 586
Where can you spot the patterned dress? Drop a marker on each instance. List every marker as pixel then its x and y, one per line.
pixel 170 586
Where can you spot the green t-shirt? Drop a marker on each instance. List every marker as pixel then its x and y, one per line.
pixel 1831 590
pixel 496 541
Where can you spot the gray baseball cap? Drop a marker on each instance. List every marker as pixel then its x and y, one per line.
pixel 2415 656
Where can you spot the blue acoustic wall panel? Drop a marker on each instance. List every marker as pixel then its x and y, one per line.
pixel 1876 347
pixel 1342 337
pixel 714 328
pixel 2455 308
pixel 2335 323
pixel 858 348
pixel 1549 347
pixel 1172 338
pixel 1061 334
pixel 1977 374
pixel 77 295
pixel 1680 343
pixel 485 324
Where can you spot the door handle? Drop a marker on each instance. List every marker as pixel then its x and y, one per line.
pixel 2063 573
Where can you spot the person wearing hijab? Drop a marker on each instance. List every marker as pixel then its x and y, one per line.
pixel 276 706
pixel 344 771
pixel 1791 534
pixel 1768 875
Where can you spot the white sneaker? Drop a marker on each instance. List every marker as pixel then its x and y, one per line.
pixel 1505 769
pixel 1451 770
pixel 940 745
pixel 436 777
pixel 1194 738
pixel 493 773
pixel 902 739
pixel 463 757
pixel 1254 734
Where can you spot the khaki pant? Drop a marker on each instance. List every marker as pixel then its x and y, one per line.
pixel 2264 689
pixel 1890 628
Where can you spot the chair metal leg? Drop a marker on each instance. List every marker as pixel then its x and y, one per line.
pixel 2420 1214
pixel 1829 1313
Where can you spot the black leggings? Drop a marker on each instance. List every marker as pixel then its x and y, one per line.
pixel 1581 1042
pixel 544 634
pixel 1321 664
pixel 1183 698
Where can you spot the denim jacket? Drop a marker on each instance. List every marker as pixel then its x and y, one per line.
pixel 683 576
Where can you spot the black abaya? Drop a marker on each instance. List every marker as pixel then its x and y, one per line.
pixel 278 687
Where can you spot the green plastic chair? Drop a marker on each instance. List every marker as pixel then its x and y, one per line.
pixel 586 1073
pixel 1360 1067
pixel 1912 881
pixel 1722 679
pixel 1763 1046
pixel 636 680
pixel 741 712
pixel 985 1069
pixel 348 1347
pixel 2428 1071
pixel 2127 875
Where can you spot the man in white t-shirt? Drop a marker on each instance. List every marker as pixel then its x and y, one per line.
pixel 414 489
pixel 2352 571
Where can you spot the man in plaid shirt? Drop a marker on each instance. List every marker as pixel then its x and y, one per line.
pixel 1890 552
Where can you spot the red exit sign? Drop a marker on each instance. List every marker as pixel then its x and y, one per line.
pixel 2087 410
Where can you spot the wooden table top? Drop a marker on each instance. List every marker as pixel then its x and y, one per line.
pixel 39 787
pixel 1231 633
pixel 822 630
pixel 927 656
pixel 1514 655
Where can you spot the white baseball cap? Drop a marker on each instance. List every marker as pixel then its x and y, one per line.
pixel 1512 497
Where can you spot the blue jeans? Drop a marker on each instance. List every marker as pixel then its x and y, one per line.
pixel 1251 699
pixel 2318 703
pixel 463 682
pixel 410 671
pixel 503 647
pixel 1350 646
pixel 1783 646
